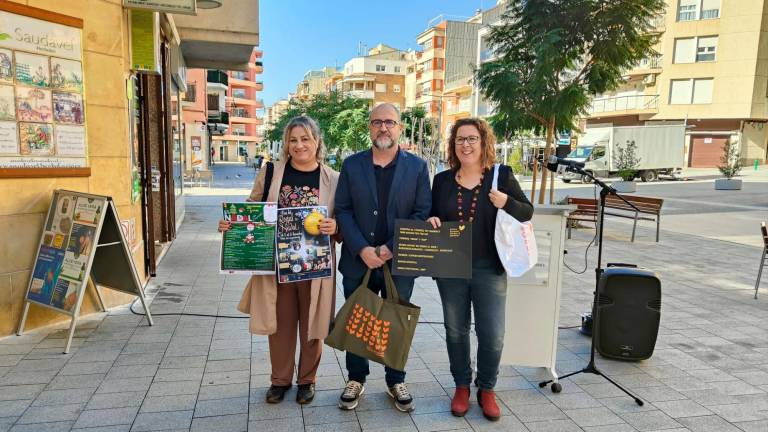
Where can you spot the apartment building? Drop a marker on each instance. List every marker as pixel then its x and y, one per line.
pixel 235 111
pixel 314 82
pixel 377 77
pixel 711 74
pixel 445 66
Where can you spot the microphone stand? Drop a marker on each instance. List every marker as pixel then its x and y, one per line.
pixel 591 367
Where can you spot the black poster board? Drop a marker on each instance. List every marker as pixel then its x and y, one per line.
pixel 81 240
pixel 421 250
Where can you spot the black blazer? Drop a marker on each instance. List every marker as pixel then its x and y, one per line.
pixel 518 205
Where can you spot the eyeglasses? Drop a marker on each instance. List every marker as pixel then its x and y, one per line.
pixel 471 140
pixel 388 123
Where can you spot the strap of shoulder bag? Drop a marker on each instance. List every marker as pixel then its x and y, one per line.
pixel 267 181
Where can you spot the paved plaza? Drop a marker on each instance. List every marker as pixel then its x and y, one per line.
pixel 709 371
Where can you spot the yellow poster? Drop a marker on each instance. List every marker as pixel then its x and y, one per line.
pixel 143 47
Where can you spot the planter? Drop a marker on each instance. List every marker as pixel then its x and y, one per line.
pixel 727 184
pixel 625 186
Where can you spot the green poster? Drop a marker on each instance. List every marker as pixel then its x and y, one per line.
pixel 249 246
pixel 143 47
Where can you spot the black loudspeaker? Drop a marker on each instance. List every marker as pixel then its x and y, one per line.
pixel 629 312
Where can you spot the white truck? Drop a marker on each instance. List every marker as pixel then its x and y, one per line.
pixel 659 148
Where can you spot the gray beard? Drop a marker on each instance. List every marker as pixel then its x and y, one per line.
pixel 384 143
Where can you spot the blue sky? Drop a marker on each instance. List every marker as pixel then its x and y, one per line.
pixel 299 35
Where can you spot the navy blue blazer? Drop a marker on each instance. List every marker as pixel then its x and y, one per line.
pixel 357 202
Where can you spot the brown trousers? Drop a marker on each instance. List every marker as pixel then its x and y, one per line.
pixel 293 301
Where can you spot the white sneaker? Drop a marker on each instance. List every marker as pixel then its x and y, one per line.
pixel 402 397
pixel 351 395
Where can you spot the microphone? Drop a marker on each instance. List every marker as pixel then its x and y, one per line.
pixel 558 164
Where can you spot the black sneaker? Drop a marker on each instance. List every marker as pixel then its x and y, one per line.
pixel 351 395
pixel 275 394
pixel 305 394
pixel 402 397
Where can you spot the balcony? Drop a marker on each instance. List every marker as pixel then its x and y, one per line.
pixel 218 79
pixel 464 106
pixel 258 67
pixel 649 65
pixel 624 105
pixel 220 117
pixel 220 38
pixel 360 94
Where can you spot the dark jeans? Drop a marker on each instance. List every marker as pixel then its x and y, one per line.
pixel 487 293
pixel 358 366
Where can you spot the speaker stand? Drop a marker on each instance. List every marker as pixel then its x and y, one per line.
pixel 591 367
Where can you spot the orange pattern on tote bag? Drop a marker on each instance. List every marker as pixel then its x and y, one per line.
pixel 374 333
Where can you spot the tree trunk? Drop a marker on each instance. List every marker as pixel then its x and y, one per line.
pixel 547 152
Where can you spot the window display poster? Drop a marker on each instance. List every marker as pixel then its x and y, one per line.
pixel 302 252
pixel 46 274
pixel 249 246
pixel 88 210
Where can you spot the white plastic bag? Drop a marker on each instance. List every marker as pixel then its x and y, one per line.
pixel 515 241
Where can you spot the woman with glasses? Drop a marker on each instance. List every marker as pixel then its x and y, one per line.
pixel 300 179
pixel 464 194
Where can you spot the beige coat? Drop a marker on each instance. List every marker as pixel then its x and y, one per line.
pixel 259 299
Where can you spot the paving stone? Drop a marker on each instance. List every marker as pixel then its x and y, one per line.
pixel 593 416
pixel 264 411
pixel 187 374
pixel 183 362
pixel 66 382
pixel 682 408
pixel 335 427
pixel 279 424
pixel 169 388
pixel 122 385
pixel 169 403
pixel 52 413
pixel 224 423
pixel 650 420
pixel 227 391
pixel 389 417
pixel 60 426
pixel 711 423
pixel 538 412
pixel 62 397
pixel 114 428
pixel 213 407
pixel 106 417
pixel 115 400
pixel 19 392
pixel 438 422
pixel 86 368
pixel 13 408
pixel 162 421
pixel 321 415
pixel 553 426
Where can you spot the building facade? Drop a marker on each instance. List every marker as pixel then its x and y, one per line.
pixel 235 111
pixel 378 77
pixel 711 73
pixel 116 128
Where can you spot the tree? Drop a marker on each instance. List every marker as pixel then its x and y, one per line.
pixel 730 161
pixel 349 133
pixel 552 55
pixel 325 108
pixel 625 160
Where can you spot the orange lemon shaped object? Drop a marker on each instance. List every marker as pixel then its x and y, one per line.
pixel 312 223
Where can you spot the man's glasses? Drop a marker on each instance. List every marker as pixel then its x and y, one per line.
pixel 388 123
pixel 471 140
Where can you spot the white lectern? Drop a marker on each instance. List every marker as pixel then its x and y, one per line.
pixel 533 300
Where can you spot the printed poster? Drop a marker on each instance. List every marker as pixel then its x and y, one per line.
pixel 66 75
pixel 6 66
pixel 249 246
pixel 9 138
pixel 70 140
pixel 7 103
pixel 46 274
pixel 67 108
pixel 32 70
pixel 59 227
pixel 36 139
pixel 302 252
pixel 65 294
pixel 88 210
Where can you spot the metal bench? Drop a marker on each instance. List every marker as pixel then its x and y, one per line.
pixel 587 211
pixel 764 258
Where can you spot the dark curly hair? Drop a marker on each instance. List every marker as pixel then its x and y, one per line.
pixel 487 142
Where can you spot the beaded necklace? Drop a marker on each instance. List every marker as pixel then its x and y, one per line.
pixel 460 199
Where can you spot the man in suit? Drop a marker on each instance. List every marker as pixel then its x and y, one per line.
pixel 377 186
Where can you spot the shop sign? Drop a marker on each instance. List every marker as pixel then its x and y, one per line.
pixel 187 7
pixel 42 102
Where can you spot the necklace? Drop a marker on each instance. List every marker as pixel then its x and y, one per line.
pixel 460 199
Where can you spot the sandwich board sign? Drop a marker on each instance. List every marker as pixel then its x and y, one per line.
pixel 82 239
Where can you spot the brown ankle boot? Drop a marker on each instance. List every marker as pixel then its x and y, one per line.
pixel 487 401
pixel 460 402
